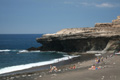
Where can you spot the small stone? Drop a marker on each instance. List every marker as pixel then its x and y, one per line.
pixel 40 76
pixel 29 75
pixel 23 75
pixel 114 63
pixel 102 77
pixel 59 70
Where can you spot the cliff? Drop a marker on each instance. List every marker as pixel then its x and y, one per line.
pixel 115 23
pixel 82 39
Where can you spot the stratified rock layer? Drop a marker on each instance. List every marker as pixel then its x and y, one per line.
pixel 82 39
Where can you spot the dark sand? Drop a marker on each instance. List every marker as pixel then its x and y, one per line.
pixel 110 71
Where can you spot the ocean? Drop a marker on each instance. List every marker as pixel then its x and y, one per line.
pixel 15 57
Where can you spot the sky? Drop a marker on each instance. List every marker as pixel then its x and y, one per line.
pixel 50 16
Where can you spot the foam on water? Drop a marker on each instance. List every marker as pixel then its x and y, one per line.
pixel 26 51
pixel 23 51
pixel 35 51
pixel 98 54
pixel 5 50
pixel 30 65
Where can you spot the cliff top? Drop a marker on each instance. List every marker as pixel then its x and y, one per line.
pixel 100 29
pixel 115 23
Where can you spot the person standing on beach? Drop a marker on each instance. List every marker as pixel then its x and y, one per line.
pixel 96 60
pixel 102 58
pixel 99 60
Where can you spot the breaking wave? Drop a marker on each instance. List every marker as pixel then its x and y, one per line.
pixel 5 50
pixel 26 51
pixel 30 65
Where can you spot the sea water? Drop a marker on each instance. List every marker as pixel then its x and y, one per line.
pixel 14 56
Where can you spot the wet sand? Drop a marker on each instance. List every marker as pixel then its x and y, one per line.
pixel 110 71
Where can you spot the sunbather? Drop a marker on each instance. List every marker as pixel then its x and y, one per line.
pixel 92 68
pixel 73 67
pixel 53 68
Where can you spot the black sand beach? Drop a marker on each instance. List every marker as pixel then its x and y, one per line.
pixel 110 71
pixel 45 69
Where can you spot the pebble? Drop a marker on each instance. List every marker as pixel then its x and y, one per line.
pixel 59 70
pixel 29 75
pixel 114 63
pixel 23 75
pixel 102 77
pixel 40 76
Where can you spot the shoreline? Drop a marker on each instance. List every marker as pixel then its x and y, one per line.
pixel 61 65
pixel 31 66
pixel 81 71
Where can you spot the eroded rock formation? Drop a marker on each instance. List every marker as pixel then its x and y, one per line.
pixel 95 38
pixel 115 23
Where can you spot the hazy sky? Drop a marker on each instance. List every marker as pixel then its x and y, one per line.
pixel 50 16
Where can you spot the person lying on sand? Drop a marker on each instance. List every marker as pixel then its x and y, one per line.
pixel 73 67
pixel 94 68
pixel 53 68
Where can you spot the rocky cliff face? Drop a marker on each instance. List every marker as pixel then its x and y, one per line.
pixel 82 39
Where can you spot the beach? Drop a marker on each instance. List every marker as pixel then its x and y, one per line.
pixel 109 71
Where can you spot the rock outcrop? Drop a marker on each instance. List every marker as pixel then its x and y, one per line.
pixel 115 23
pixel 95 38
